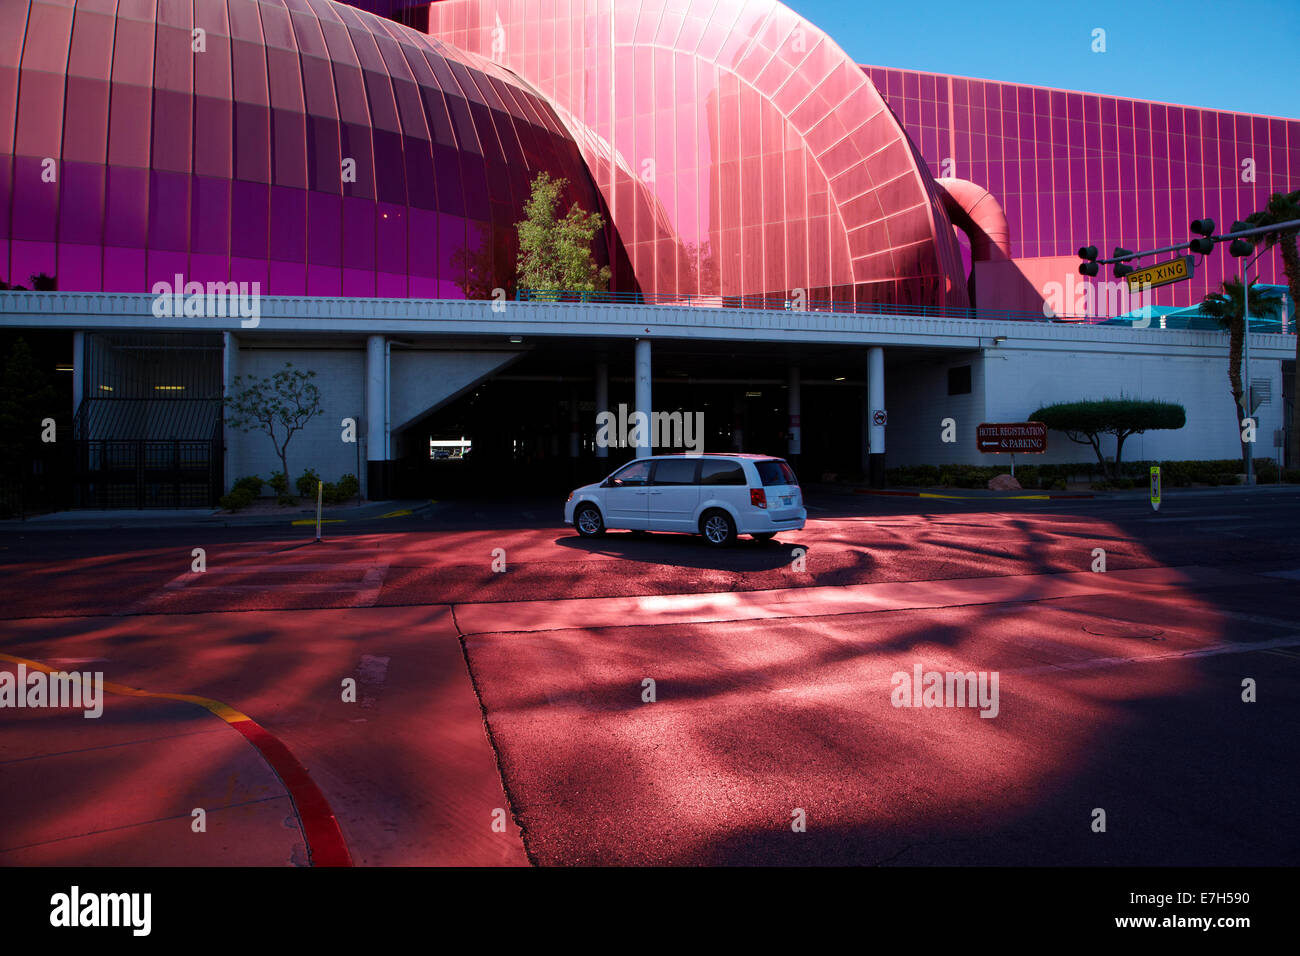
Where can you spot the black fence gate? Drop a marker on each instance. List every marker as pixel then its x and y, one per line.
pixel 144 473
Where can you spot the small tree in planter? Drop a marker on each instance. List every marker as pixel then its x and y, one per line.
pixel 1086 422
pixel 280 406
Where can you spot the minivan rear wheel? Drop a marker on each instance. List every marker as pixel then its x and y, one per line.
pixel 718 528
pixel 588 521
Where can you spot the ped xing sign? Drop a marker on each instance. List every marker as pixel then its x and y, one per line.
pixel 1162 273
pixel 1002 438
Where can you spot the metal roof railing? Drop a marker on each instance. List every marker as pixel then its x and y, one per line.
pixel 773 302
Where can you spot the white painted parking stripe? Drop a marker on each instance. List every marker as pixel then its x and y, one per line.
pixel 1209 650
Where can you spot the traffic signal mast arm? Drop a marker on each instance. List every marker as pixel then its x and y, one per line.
pixel 1202 244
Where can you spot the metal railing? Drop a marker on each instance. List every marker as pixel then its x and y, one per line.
pixel 774 302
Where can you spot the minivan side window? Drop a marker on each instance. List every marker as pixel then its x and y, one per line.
pixel 721 473
pixel 775 473
pixel 637 473
pixel 674 471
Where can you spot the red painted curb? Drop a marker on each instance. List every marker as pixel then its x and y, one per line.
pixel 325 844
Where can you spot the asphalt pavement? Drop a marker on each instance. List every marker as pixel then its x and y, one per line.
pixel 501 712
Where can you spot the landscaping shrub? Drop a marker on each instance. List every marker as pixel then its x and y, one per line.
pixel 307 483
pixel 348 487
pixel 250 483
pixel 237 499
pixel 280 485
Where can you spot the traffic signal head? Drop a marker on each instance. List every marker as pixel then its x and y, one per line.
pixel 1121 253
pixel 1205 229
pixel 1241 247
pixel 1089 265
pixel 1122 269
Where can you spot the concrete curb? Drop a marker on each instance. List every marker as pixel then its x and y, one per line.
pixel 107 520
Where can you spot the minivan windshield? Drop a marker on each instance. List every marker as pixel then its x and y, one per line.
pixel 775 472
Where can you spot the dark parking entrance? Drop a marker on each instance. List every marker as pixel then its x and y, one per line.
pixel 534 427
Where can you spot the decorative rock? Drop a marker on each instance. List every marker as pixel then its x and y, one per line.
pixel 1004 483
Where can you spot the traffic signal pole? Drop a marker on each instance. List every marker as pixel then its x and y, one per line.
pixel 1203 245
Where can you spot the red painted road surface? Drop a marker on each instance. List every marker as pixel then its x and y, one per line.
pixel 772 699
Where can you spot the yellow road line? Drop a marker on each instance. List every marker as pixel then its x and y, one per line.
pixel 224 711
pixel 926 494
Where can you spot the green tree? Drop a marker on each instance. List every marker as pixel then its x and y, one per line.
pixel 556 253
pixel 279 405
pixel 1085 422
pixel 1285 207
pixel 1227 308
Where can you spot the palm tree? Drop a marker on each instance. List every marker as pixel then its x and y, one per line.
pixel 1285 207
pixel 1226 308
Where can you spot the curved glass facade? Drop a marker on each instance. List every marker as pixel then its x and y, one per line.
pixel 772 162
pixel 133 149
pixel 385 148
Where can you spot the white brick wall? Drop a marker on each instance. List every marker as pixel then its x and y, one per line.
pixel 917 399
pixel 340 378
pixel 1010 384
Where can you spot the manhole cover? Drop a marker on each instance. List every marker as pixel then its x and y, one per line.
pixel 1121 629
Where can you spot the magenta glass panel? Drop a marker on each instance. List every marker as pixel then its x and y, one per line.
pixel 1070 169
pixel 168 159
pixel 727 159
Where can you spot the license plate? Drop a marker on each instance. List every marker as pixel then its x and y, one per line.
pixel 787 499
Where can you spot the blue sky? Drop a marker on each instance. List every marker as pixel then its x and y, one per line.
pixel 1175 52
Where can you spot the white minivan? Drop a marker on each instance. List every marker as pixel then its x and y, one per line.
pixel 718 496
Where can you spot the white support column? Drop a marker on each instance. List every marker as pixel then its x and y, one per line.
pixel 376 417
pixel 78 370
pixel 643 392
pixel 229 369
pixel 876 409
pixel 793 401
pixel 602 400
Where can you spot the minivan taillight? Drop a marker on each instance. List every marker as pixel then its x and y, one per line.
pixel 758 497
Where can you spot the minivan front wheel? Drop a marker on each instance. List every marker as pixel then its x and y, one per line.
pixel 588 521
pixel 718 528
